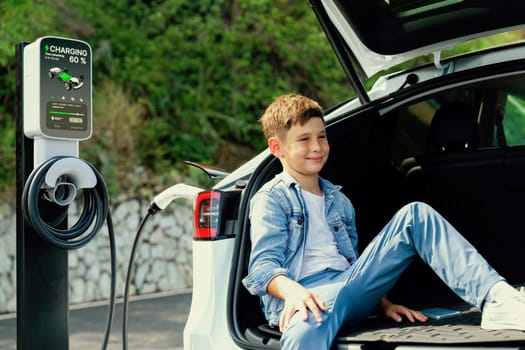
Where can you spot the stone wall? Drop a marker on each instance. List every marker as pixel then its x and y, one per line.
pixel 163 260
pixel 7 259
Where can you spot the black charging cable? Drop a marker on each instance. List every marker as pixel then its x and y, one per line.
pixel 95 212
pixel 127 283
pixel 160 202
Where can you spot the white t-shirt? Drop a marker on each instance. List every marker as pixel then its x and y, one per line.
pixel 321 250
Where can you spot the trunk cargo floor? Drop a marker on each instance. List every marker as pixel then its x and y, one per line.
pixel 461 329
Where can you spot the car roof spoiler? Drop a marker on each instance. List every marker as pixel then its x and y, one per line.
pixel 210 170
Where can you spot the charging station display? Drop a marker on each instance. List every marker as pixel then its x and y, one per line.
pixel 57 84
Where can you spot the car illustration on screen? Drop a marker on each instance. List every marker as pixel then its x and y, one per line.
pixel 70 81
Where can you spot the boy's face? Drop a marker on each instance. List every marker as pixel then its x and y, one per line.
pixel 304 150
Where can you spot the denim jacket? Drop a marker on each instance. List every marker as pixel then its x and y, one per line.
pixel 279 222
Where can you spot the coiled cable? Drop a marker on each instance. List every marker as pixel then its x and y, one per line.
pixel 95 212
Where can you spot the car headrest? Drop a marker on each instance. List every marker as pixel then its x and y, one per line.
pixel 454 126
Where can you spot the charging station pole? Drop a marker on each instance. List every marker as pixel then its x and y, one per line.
pixel 53 91
pixel 42 280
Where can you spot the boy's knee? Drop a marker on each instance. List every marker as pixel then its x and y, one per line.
pixel 417 209
pixel 417 213
pixel 304 336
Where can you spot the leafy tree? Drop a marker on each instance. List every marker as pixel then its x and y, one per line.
pixel 196 76
pixel 20 21
pixel 205 70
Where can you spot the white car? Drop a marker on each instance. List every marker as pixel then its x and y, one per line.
pixel 450 133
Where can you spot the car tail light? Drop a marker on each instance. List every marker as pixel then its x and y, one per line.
pixel 206 215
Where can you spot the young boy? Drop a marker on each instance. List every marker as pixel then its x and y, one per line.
pixel 304 261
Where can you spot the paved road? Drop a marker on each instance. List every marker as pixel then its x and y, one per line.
pixel 153 323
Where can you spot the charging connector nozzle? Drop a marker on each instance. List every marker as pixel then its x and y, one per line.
pixel 180 190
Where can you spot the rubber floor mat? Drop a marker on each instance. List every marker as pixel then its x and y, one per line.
pixel 457 330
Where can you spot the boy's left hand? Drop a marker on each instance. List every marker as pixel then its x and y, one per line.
pixel 396 312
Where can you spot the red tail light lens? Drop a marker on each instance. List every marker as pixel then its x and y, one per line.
pixel 206 216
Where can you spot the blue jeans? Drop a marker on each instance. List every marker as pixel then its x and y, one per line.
pixel 352 295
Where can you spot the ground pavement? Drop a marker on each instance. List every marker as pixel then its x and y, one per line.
pixel 155 322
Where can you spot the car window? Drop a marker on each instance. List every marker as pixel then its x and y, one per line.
pixel 498 104
pixel 514 120
pixel 413 137
pixel 411 134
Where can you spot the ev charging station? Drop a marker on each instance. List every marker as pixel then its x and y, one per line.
pixel 54 113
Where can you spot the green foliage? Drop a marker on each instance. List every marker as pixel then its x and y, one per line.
pixel 7 154
pixel 513 123
pixel 19 20
pixel 174 80
pixel 113 146
pixel 205 70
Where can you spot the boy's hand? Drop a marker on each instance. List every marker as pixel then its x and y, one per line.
pixel 297 299
pixel 396 312
pixel 300 301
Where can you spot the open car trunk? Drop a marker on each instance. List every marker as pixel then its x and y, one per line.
pixel 385 158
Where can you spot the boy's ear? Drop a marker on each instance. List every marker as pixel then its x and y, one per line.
pixel 275 146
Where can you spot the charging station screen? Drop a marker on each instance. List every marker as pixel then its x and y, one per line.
pixel 65 77
pixel 66 116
